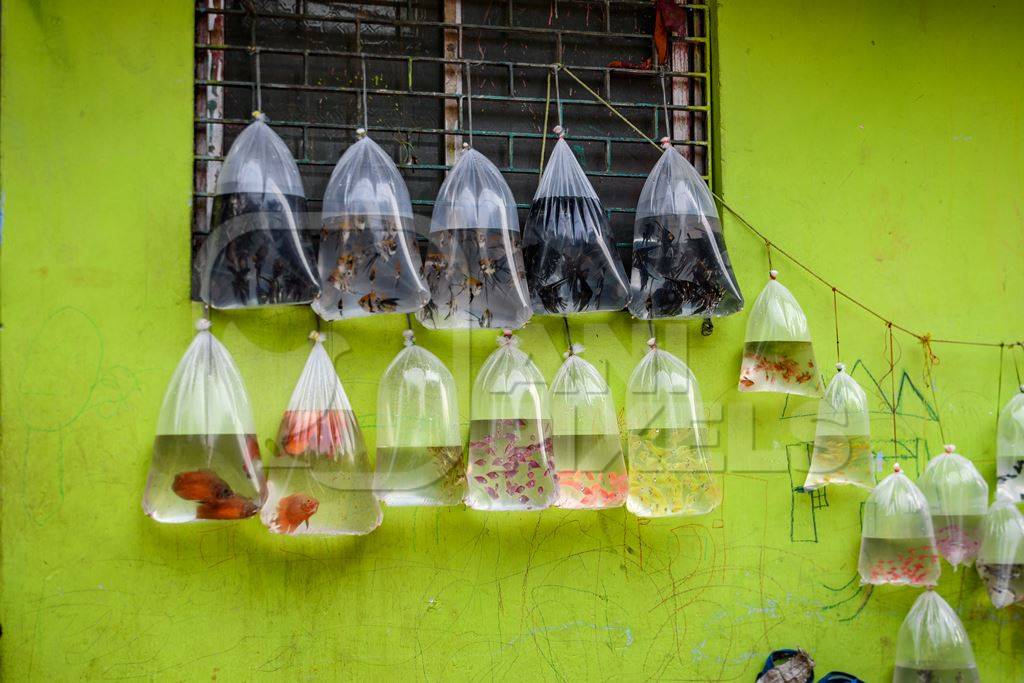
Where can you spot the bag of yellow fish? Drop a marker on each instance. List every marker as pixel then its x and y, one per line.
pixel 259 250
pixel 1000 560
pixel 587 446
pixel 666 444
pixel 419 445
pixel 510 464
pixel 932 645
pixel 319 478
pixel 958 499
pixel 369 262
pixel 842 440
pixel 1010 448
pixel 778 355
pixel 897 542
pixel 474 264
pixel 206 460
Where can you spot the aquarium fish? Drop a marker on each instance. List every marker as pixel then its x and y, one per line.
pixel 232 507
pixel 203 486
pixel 293 511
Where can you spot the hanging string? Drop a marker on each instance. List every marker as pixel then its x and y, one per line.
pixel 568 335
pixel 768 249
pixel 558 98
pixel 835 316
pixel 747 224
pixel 366 109
pixel 999 387
pixel 664 106
pixel 650 329
pixel 1016 368
pixel 257 85
pixel 544 130
pixel 408 321
pixel 892 389
pixel 469 100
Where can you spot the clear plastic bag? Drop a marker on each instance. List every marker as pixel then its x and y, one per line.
pixel 419 447
pixel 568 249
pixel 1010 448
pixel 842 439
pixel 510 463
pixel 668 463
pixel 958 499
pixel 369 262
pixel 474 265
pixel 319 479
pixel 1000 560
pixel 587 446
pixel 260 251
pixel 932 645
pixel 897 544
pixel 681 268
pixel 206 460
pixel 778 354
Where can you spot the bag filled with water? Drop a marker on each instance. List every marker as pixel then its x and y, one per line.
pixel 206 460
pixel 958 499
pixel 510 464
pixel 587 446
pixel 568 249
pixel 419 446
pixel 1010 448
pixel 681 268
pixel 842 439
pixel 932 645
pixel 1000 560
pixel 474 264
pixel 666 443
pixel 368 261
pixel 778 355
pixel 897 544
pixel 319 479
pixel 260 251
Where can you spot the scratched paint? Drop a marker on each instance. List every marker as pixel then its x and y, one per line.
pixel 96 161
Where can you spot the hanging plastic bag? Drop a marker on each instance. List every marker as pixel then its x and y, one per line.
pixel 778 355
pixel 668 464
pixel 1010 448
pixel 369 262
pixel 474 265
pixel 681 268
pixel 206 460
pixel 260 251
pixel 958 499
pixel 587 446
pixel 842 439
pixel 568 249
pixel 419 446
pixel 932 645
pixel 320 480
pixel 510 464
pixel 1001 556
pixel 897 542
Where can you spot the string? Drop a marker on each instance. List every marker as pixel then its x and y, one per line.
pixel 747 224
pixel 469 101
pixel 892 390
pixel 768 249
pixel 366 114
pixel 257 89
pixel 259 86
pixel 544 130
pixel 558 98
pixel 999 387
pixel 568 336
pixel 408 321
pixel 1016 368
pixel 664 105
pixel 650 328
pixel 835 316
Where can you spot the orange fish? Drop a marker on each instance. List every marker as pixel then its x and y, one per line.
pixel 294 510
pixel 203 486
pixel 233 507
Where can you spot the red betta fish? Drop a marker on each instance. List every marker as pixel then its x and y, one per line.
pixel 293 511
pixel 232 507
pixel 203 486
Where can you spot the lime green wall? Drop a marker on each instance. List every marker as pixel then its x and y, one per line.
pixel 880 141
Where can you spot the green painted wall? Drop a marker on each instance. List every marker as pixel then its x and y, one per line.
pixel 881 142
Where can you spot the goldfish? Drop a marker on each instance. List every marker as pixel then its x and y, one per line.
pixel 293 511
pixel 203 486
pixel 232 507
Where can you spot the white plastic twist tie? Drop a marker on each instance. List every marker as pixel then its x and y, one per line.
pixel 203 324
pixel 665 142
pixel 360 132
pixel 840 367
pixel 652 343
pixel 949 448
pixel 559 131
pixel 409 337
pixel 316 337
pixel 773 274
pixel 465 145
